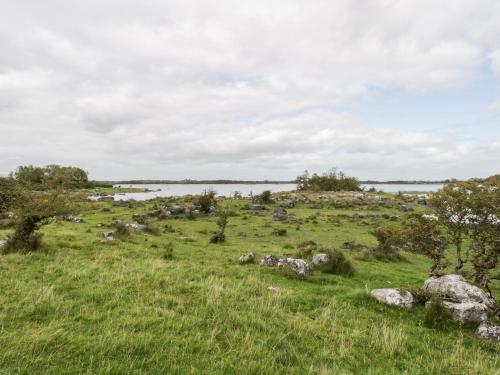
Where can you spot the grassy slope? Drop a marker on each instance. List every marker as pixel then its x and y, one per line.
pixel 88 307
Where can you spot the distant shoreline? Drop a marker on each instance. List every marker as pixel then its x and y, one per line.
pixel 262 182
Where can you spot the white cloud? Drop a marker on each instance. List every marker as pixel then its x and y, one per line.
pixel 245 90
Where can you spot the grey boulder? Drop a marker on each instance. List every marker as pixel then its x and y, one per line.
pixel 467 312
pixel 393 296
pixel 247 258
pixel 457 289
pixel 320 259
pixel 489 332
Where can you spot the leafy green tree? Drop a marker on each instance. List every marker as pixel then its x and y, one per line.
pixel 451 206
pixel 32 209
pixel 423 235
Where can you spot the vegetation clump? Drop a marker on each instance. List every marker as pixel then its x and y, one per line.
pixel 305 249
pixel 437 316
pixel 219 236
pixel 168 252
pixel 206 201
pixel 330 181
pixel 390 242
pixel 337 263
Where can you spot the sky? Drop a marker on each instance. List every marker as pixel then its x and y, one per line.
pixel 381 89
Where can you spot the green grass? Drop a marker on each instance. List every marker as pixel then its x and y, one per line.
pixel 120 308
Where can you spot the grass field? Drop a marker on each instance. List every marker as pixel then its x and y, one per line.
pixel 83 306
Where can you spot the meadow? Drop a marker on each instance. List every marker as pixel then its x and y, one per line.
pixel 88 306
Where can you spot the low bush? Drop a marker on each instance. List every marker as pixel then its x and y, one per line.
pixel 337 263
pixel 168 252
pixel 121 230
pixel 437 316
pixel 390 242
pixel 305 249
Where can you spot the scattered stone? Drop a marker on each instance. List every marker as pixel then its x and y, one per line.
pixel 393 296
pixel 467 312
pixel 456 289
pixel 489 332
pixel 320 259
pixel 3 243
pixel 422 199
pixel 280 214
pixel 175 210
pixel 259 207
pixel 300 267
pixel 186 239
pixel 247 258
pixel 73 219
pixel 273 289
pixel 269 260
pixel 108 198
pixel 136 227
pixel 288 204
pixel 107 237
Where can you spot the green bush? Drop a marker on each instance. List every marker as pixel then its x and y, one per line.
pixel 168 253
pixel 330 181
pixel 121 230
pixel 305 249
pixel 390 242
pixel 437 316
pixel 206 201
pixel 337 263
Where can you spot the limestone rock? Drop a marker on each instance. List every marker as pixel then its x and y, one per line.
pixel 393 296
pixel 247 258
pixel 467 312
pixel 489 332
pixel 320 259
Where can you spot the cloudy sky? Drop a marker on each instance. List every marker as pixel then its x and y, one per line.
pixel 382 89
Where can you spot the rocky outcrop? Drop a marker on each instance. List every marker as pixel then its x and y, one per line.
pixel 247 258
pixel 456 289
pixel 489 332
pixel 270 260
pixel 280 214
pixel 136 227
pixel 393 296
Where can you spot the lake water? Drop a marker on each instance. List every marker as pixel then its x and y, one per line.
pixel 227 190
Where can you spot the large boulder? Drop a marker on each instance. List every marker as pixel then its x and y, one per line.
pixel 320 259
pixel 247 258
pixel 456 289
pixel 489 332
pixel 136 227
pixel 393 296
pixel 467 312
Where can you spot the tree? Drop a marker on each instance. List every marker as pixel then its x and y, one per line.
pixel 331 181
pixel 424 236
pixel 219 235
pixel 451 205
pixel 32 209
pixel 50 176
pixel 484 206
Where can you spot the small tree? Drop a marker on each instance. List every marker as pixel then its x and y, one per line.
pixel 451 205
pixel 206 201
pixel 424 236
pixel 220 236
pixel 32 209
pixel 390 242
pixel 484 205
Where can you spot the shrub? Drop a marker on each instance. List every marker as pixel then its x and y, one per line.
pixel 390 241
pixel 437 316
pixel 337 263
pixel 220 236
pixel 279 232
pixel 121 230
pixel 265 197
pixel 168 253
pixel 32 210
pixel 305 249
pixel 150 228
pixel 424 236
pixel 330 181
pixel 206 201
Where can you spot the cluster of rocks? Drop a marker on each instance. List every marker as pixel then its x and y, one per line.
pixel 280 214
pixel 301 268
pixel 466 302
pixel 73 219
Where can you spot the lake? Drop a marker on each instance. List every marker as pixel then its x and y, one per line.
pixel 227 190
